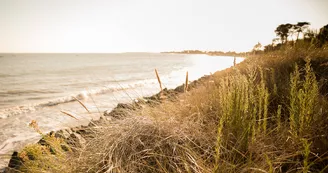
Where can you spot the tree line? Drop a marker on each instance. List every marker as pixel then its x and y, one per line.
pixel 290 34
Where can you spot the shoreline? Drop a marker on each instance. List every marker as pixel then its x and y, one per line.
pixel 16 128
pixel 119 112
pixel 241 112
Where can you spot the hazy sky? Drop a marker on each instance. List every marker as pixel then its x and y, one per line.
pixel 148 25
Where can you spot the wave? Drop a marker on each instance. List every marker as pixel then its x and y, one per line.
pixel 12 111
pixel 20 92
pixel 2 75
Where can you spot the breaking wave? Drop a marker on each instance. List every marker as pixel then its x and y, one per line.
pixel 7 112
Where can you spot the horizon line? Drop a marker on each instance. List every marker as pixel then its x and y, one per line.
pixel 72 52
pixel 119 52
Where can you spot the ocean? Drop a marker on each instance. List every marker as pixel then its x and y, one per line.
pixel 40 86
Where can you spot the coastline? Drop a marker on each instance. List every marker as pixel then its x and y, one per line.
pixel 121 111
pixel 231 114
pixel 16 130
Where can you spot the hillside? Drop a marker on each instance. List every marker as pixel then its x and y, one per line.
pixel 266 114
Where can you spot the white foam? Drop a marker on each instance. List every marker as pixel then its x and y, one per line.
pixel 83 95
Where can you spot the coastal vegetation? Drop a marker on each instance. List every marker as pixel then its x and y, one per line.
pixel 266 114
pixel 213 53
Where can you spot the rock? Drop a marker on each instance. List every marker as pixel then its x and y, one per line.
pixel 77 140
pixel 125 106
pixel 94 123
pixel 65 147
pixel 75 129
pixel 84 127
pixel 121 110
pixel 180 88
pixel 141 101
pixel 52 133
pixel 86 130
pixel 116 113
pixel 69 131
pixel 62 134
pixel 14 163
pixel 43 142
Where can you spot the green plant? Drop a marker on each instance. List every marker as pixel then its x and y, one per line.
pixel 303 99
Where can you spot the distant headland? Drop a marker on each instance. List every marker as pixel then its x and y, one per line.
pixel 212 53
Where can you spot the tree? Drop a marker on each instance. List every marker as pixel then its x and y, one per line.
pixel 257 47
pixel 283 31
pixel 310 34
pixel 275 41
pixel 300 27
pixel 323 35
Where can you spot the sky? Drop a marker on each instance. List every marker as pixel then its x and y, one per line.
pixel 105 26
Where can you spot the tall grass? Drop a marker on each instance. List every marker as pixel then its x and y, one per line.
pixel 303 99
pixel 267 114
pixel 159 80
pixel 243 112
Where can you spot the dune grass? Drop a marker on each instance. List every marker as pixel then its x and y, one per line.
pixel 267 114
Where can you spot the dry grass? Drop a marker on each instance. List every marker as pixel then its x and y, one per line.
pixel 264 115
pixel 69 114
pixel 186 83
pixel 154 140
pixel 159 80
pixel 139 144
pixel 83 105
